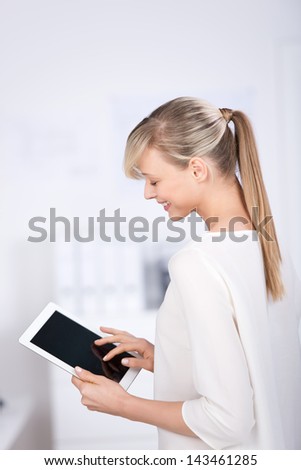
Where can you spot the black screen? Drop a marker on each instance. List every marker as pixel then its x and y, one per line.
pixel 74 344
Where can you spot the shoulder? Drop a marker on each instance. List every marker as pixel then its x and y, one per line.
pixel 195 272
pixel 185 254
pixel 193 259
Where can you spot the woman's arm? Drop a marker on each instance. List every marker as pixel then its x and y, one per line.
pixel 104 395
pixel 165 415
pixel 222 414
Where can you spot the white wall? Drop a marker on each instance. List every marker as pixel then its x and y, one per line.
pixel 77 75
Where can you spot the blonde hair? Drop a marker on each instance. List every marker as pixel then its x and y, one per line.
pixel 188 127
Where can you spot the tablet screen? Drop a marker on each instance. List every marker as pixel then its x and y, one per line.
pixel 74 344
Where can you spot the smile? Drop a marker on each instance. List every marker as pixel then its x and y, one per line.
pixel 166 205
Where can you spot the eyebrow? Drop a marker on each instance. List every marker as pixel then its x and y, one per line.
pixel 146 174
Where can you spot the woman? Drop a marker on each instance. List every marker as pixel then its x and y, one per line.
pixel 227 354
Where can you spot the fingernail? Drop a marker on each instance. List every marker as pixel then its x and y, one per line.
pixel 124 362
pixel 105 358
pixel 78 370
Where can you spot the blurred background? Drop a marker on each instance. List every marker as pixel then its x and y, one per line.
pixel 76 77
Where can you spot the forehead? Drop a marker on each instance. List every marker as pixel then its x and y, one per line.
pixel 152 162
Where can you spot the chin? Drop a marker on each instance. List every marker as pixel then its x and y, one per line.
pixel 175 217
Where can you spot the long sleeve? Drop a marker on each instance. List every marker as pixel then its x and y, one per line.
pixel 222 413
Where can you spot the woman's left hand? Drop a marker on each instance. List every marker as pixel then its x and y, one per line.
pixel 99 393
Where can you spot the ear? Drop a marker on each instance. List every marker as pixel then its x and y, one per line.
pixel 198 168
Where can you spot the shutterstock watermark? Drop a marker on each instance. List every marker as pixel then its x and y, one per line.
pixel 139 229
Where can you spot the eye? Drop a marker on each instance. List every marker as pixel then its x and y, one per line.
pixel 154 184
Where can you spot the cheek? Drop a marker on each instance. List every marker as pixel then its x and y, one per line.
pixel 180 191
pixel 185 191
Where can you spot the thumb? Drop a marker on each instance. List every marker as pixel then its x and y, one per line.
pixel 133 362
pixel 85 375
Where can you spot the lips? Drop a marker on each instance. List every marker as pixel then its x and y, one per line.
pixel 166 205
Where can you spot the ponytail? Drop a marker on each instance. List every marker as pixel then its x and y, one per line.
pixel 257 203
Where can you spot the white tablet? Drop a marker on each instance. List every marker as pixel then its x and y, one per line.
pixel 64 340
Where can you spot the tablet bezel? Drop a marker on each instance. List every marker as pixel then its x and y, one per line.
pixel 36 325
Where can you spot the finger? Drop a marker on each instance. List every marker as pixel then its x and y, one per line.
pixel 124 347
pixel 76 381
pixel 121 338
pixel 112 331
pixel 86 376
pixel 92 408
pixel 134 362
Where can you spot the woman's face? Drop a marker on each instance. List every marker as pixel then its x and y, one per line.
pixel 176 189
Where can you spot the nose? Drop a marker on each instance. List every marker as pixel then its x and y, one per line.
pixel 149 191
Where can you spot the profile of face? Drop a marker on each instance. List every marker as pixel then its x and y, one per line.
pixel 179 190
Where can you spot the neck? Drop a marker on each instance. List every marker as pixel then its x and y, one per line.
pixel 224 208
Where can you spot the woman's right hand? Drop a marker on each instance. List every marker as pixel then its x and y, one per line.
pixel 128 343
